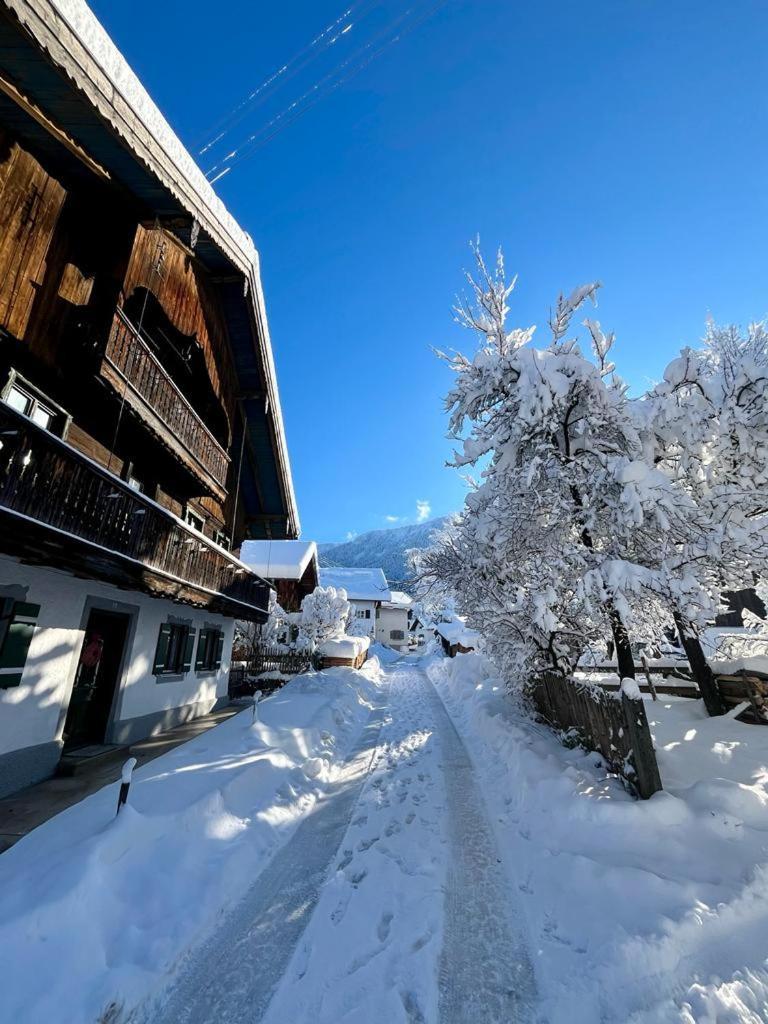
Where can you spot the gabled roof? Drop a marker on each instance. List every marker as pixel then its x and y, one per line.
pixel 278 559
pixel 399 599
pixel 64 63
pixel 360 584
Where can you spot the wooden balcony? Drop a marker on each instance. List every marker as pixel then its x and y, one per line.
pixel 135 373
pixel 60 509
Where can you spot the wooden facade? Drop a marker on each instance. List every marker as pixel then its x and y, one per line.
pixel 121 398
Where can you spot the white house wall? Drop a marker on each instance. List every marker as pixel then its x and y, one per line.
pixel 32 714
pixel 389 619
pixel 369 606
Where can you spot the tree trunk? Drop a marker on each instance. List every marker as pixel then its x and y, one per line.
pixel 700 669
pixel 624 657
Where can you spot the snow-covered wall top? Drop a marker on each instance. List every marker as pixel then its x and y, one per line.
pixel 278 559
pixel 360 584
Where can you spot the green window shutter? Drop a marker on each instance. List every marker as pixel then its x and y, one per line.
pixel 20 621
pixel 161 653
pixel 189 646
pixel 202 649
pixel 219 641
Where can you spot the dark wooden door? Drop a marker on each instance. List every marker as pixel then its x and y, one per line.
pixel 96 678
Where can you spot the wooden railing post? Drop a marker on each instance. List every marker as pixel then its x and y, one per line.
pixel 648 779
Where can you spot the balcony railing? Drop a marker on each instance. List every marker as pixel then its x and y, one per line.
pixel 170 413
pixel 60 508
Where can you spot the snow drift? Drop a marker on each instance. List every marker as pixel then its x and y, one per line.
pixel 639 912
pixel 201 822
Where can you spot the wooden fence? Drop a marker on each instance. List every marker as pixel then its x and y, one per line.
pixel 264 662
pixel 613 724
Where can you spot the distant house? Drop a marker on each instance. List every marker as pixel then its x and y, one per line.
pixel 366 590
pixel 289 565
pixel 392 623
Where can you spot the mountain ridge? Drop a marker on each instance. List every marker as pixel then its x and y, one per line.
pixel 385 548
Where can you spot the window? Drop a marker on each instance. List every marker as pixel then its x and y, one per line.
pixel 367 613
pixel 359 614
pixel 396 634
pixel 175 644
pixel 220 538
pixel 17 627
pixel 209 649
pixel 24 399
pixel 194 520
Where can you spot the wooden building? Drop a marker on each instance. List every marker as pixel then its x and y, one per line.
pixel 141 437
pixel 290 566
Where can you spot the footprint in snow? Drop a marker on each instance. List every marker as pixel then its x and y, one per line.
pixel 345 861
pixel 366 844
pixel 385 926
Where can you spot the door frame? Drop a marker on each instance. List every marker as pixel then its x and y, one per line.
pixel 104 604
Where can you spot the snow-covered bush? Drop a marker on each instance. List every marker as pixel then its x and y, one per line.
pixel 324 615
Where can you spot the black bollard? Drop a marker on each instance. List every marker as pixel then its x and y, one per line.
pixel 125 784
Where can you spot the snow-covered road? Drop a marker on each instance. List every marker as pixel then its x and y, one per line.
pixel 388 904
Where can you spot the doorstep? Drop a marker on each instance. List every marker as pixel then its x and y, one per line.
pixel 87 758
pixel 94 767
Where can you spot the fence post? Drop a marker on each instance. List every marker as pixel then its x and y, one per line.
pixel 643 754
pixel 125 782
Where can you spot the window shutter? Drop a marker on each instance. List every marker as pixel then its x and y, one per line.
pixel 189 646
pixel 161 653
pixel 202 649
pixel 20 621
pixel 219 641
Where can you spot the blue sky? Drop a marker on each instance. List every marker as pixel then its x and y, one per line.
pixel 619 141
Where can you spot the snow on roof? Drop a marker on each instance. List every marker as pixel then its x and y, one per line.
pixel 400 599
pixel 74 26
pixel 278 559
pixel 360 584
pixel 457 632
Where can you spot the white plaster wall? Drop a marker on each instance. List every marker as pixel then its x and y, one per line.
pixel 371 607
pixel 392 618
pixel 34 712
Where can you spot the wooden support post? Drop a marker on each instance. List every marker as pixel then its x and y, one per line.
pixel 647 671
pixel 648 779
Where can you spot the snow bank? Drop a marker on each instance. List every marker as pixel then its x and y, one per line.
pixel 350 647
pixel 94 909
pixel 757 663
pixel 640 912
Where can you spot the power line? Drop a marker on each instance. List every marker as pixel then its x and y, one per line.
pixel 323 41
pixel 317 92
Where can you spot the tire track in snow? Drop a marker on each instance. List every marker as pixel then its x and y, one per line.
pixel 230 979
pixel 486 975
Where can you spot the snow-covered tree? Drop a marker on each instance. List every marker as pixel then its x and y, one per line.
pixel 709 422
pixel 566 495
pixel 324 614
